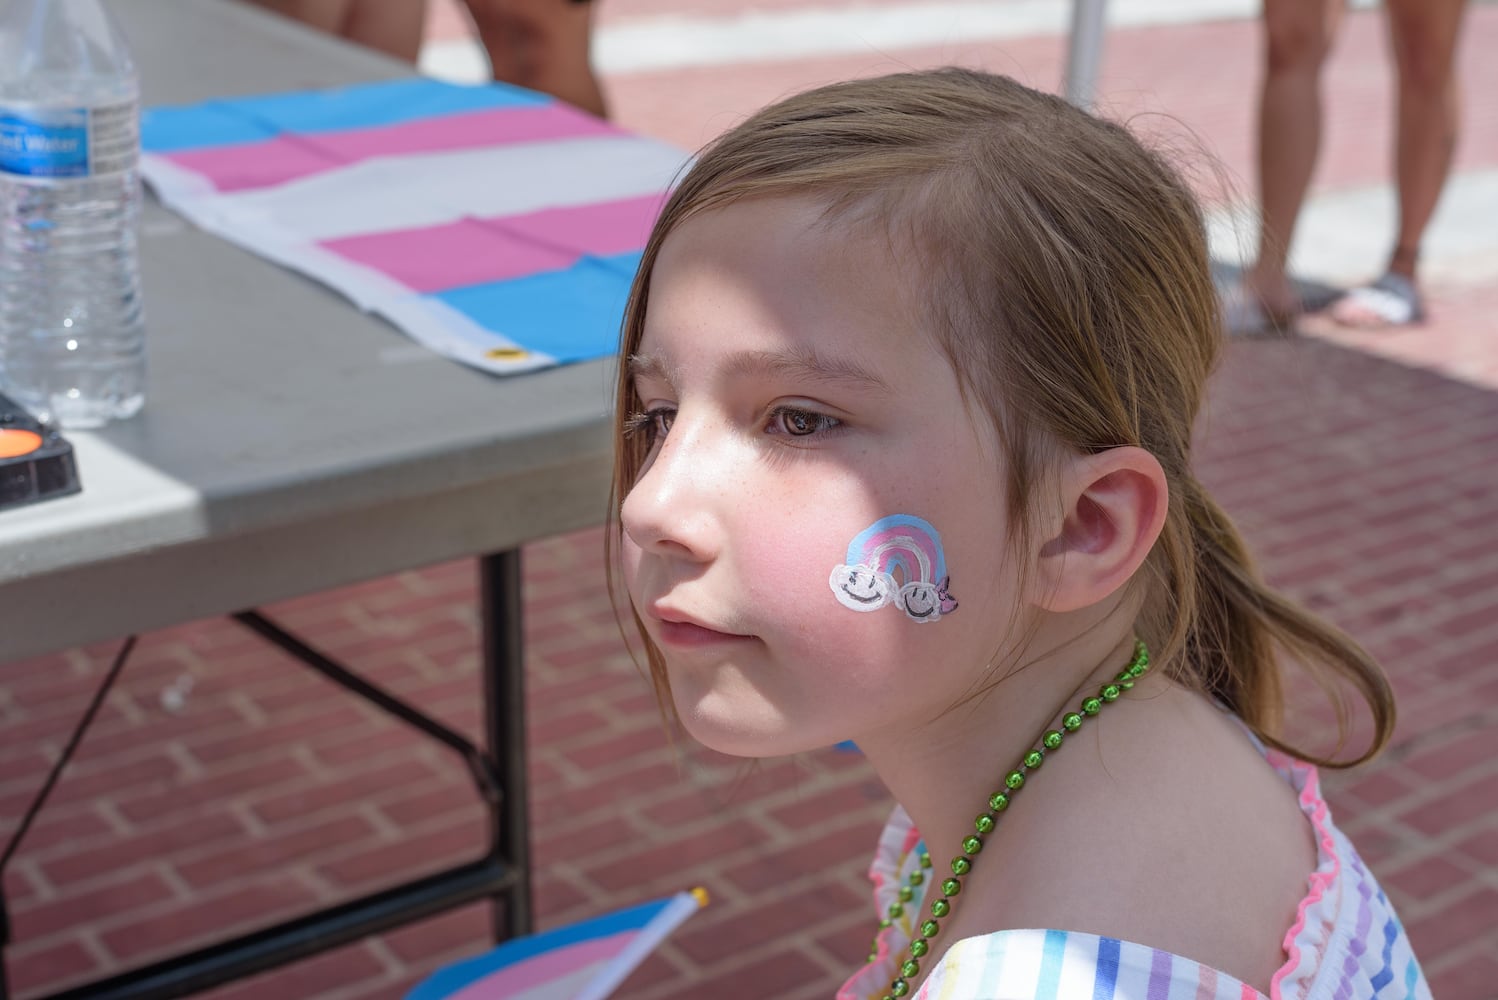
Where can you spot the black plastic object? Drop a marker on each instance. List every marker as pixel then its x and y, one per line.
pixel 36 462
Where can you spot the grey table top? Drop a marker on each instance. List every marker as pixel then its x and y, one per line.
pixel 289 443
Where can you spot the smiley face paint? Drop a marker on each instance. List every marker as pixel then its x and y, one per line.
pixel 862 588
pixel 900 543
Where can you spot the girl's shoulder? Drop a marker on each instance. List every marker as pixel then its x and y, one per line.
pixel 1155 910
pixel 1345 941
pixel 1179 834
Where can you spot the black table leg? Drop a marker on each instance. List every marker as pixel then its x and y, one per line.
pixel 501 876
pixel 503 667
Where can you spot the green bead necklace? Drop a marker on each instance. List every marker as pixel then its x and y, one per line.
pixel 987 820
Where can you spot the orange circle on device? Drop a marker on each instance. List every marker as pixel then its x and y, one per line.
pixel 14 443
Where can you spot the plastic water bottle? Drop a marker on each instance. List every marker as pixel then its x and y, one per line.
pixel 72 334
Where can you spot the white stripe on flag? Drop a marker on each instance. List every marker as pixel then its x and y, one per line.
pixel 682 905
pixel 566 987
pixel 428 189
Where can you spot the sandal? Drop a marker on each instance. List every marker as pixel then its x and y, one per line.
pixel 1390 301
pixel 1244 315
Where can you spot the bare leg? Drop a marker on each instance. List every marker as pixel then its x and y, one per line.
pixel 391 26
pixel 543 45
pixel 1297 37
pixel 1423 37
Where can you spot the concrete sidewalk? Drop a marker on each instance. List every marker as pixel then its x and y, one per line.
pixel 225 787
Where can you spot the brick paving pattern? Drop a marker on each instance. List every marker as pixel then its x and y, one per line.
pixel 223 786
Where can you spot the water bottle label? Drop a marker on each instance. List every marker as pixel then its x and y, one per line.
pixel 69 142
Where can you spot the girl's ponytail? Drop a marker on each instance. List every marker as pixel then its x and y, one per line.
pixel 1229 625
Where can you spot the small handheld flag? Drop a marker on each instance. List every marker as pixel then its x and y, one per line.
pixel 582 961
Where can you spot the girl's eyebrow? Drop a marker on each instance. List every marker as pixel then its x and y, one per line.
pixel 800 366
pixel 806 366
pixel 648 366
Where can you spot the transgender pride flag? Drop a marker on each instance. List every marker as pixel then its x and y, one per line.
pixel 585 961
pixel 496 226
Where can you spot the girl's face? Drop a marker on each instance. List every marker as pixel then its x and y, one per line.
pixel 806 433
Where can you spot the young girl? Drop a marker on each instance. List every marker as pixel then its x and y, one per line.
pixel 905 411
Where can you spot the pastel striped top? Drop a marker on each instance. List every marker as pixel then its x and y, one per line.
pixel 1346 942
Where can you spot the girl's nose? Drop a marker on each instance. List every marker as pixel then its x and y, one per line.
pixel 670 510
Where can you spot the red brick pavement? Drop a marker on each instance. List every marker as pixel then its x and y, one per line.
pixel 1368 487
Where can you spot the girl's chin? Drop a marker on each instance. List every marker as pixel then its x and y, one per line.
pixel 738 731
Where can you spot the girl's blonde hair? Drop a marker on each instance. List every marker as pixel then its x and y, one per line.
pixel 1064 269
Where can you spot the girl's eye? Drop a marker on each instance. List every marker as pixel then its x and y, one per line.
pixel 654 424
pixel 801 423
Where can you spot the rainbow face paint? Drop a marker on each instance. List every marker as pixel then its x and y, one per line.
pixel 899 543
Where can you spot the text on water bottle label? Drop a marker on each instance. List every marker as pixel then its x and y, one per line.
pixel 69 142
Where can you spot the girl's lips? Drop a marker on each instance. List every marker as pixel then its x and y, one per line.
pixel 687 634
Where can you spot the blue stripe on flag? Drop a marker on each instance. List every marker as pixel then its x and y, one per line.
pixel 371 104
pixel 624 263
pixel 519 950
pixel 1108 951
pixel 230 121
pixel 572 315
pixel 1049 984
pixel 170 130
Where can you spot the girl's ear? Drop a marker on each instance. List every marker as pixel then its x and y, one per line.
pixel 1114 508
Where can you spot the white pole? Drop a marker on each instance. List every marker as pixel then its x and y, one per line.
pixel 1084 50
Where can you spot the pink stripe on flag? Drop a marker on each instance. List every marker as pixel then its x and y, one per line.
pixel 289 157
pixel 454 255
pixel 248 165
pixel 543 968
pixel 602 228
pixel 471 130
